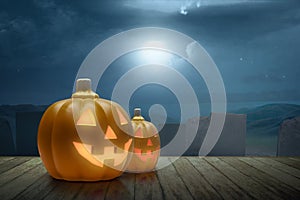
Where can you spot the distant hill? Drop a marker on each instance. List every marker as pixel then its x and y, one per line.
pixel 263 124
pixel 265 120
pixel 8 109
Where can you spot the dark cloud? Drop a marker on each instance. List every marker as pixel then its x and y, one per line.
pixel 43 42
pixel 271 95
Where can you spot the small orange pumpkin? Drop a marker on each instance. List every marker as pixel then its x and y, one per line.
pixel 146 149
pixel 85 138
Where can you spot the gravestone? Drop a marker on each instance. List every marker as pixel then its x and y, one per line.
pixel 6 138
pixel 232 141
pixel 27 128
pixel 289 137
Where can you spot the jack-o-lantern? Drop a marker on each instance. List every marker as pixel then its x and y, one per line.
pixel 85 138
pixel 146 145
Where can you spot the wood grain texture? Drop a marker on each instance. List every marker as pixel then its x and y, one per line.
pixel 93 190
pixel 185 178
pixel 172 185
pixel 194 181
pixel 121 187
pixel 247 183
pixel 282 167
pixel 14 172
pixel 17 185
pixel 278 174
pixel 224 186
pixel 64 190
pixel 147 186
pixel 38 189
pixel 4 159
pixel 295 158
pixel 11 163
pixel 280 189
pixel 290 162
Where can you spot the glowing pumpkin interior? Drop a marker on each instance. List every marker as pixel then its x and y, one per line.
pixel 100 146
pixel 85 138
pixel 146 145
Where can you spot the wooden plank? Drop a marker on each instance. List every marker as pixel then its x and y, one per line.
pixel 187 178
pixel 9 164
pixel 290 162
pixel 283 167
pixel 147 186
pixel 121 187
pixel 3 159
pixel 279 175
pixel 172 184
pixel 295 158
pixel 17 185
pixel 248 184
pixel 280 189
pixel 224 186
pixel 12 173
pixel 195 182
pixel 39 189
pixel 93 190
pixel 63 190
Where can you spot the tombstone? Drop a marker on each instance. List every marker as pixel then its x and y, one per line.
pixel 191 124
pixel 289 137
pixel 232 141
pixel 27 128
pixel 6 138
pixel 167 133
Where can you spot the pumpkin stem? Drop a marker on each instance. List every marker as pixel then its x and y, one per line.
pixel 83 84
pixel 84 89
pixel 137 114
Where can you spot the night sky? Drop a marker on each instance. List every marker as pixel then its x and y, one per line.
pixel 255 44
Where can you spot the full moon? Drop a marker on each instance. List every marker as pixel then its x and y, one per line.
pixel 153 56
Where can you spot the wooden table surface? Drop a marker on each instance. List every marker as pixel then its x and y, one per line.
pixel 186 178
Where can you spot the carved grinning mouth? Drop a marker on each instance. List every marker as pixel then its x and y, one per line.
pixel 112 155
pixel 97 148
pixel 142 154
pixel 149 155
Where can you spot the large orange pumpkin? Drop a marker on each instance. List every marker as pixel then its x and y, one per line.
pixel 146 145
pixel 85 138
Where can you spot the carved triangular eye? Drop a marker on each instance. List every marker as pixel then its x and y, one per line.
pixel 87 118
pixel 122 119
pixel 139 132
pixel 149 143
pixel 127 145
pixel 110 134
